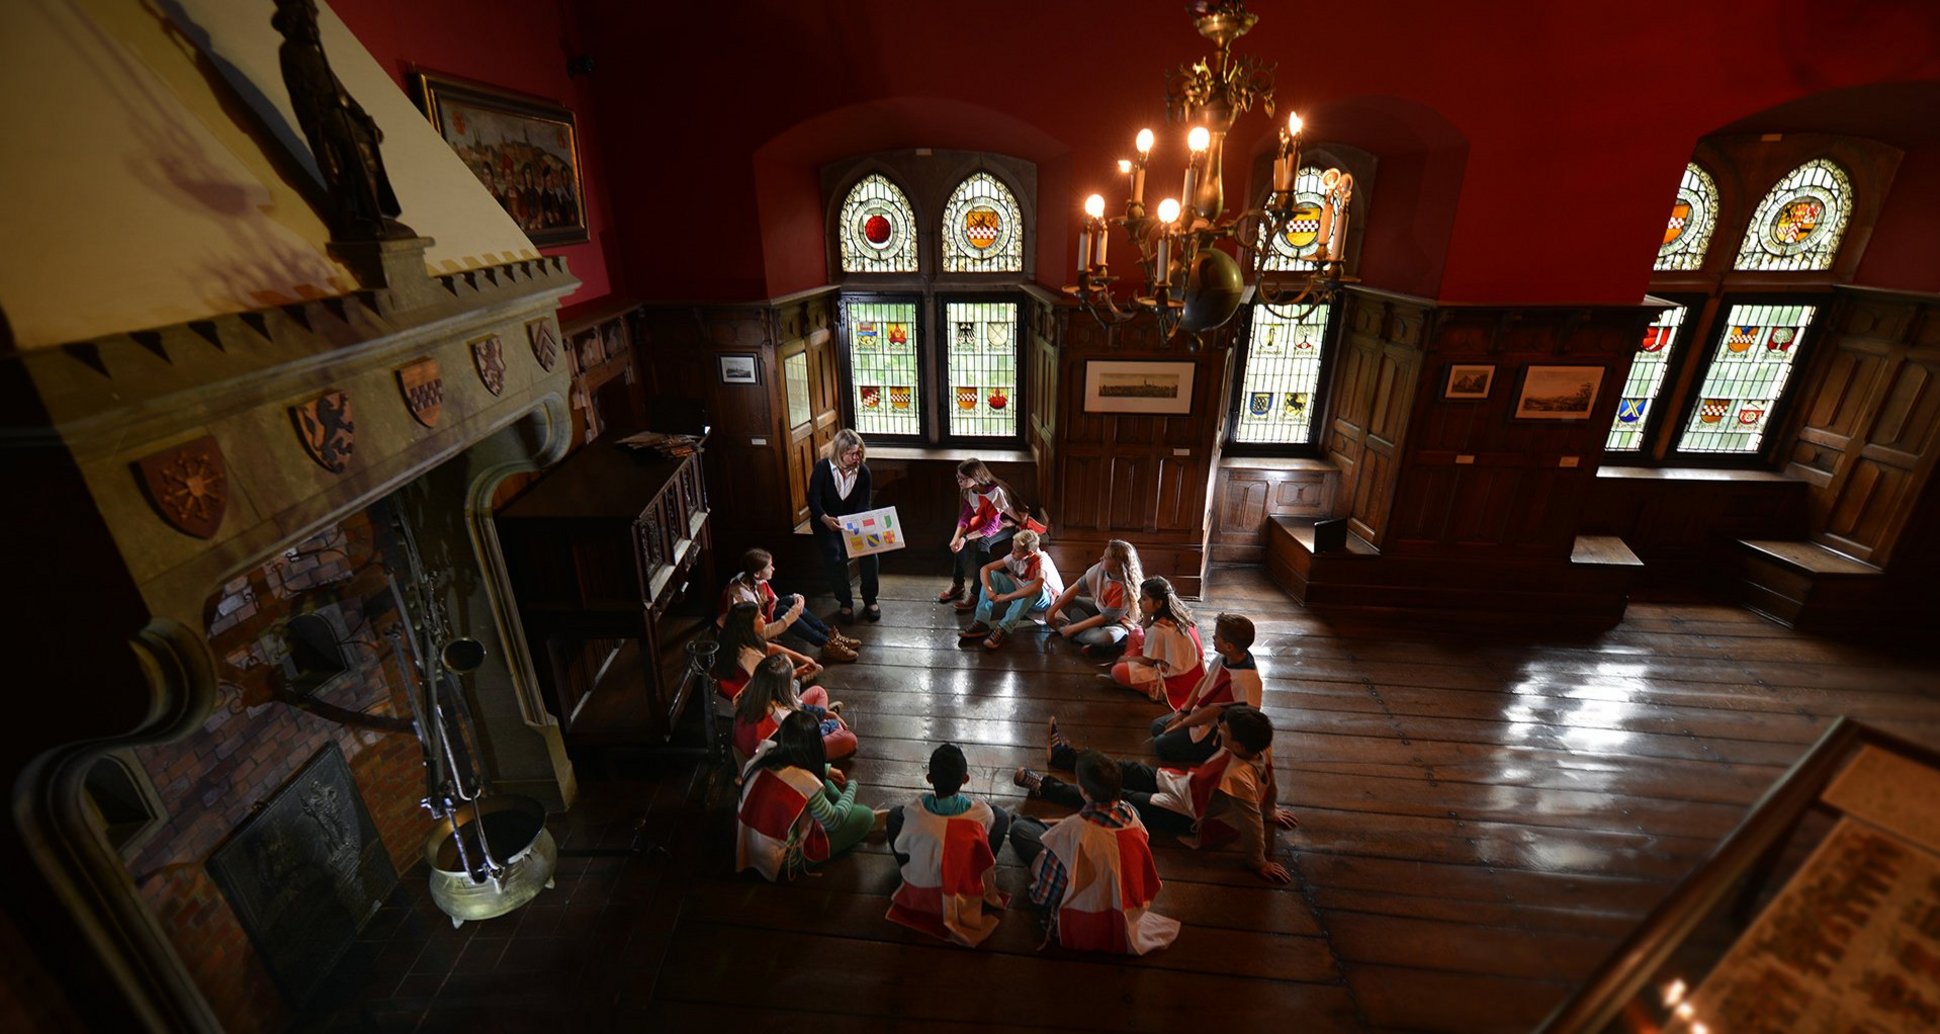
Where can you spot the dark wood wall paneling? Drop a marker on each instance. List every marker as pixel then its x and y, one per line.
pixel 1143 478
pixel 1870 430
pixel 757 466
pixel 1249 493
pixel 1475 479
pixel 1382 340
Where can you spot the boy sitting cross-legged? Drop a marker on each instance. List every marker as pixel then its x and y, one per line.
pixel 1231 796
pixel 1024 580
pixel 946 844
pixel 1190 734
pixel 1092 873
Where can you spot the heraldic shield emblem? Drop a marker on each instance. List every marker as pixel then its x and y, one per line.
pixel 324 426
pixel 488 354
pixel 424 389
pixel 545 343
pixel 187 485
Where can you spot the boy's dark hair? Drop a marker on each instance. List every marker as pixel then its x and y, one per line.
pixel 1099 778
pixel 948 770
pixel 754 560
pixel 1236 629
pixel 1248 727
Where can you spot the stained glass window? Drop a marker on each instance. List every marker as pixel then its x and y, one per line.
pixel 983 368
pixel 1294 248
pixel 1693 216
pixel 1282 377
pixel 1645 379
pixel 982 229
pixel 883 367
pixel 878 230
pixel 1800 222
pixel 1747 376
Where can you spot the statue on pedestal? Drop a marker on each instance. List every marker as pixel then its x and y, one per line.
pixel 342 136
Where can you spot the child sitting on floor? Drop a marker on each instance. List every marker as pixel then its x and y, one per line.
pixel 1170 663
pixel 1092 873
pixel 742 647
pixel 1096 610
pixel 1024 581
pixel 770 696
pixel 795 810
pixel 1189 735
pixel 946 844
pixel 1232 796
pixel 781 616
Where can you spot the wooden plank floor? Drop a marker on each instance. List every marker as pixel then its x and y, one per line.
pixel 1481 821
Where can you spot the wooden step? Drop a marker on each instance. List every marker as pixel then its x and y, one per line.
pixel 1802 584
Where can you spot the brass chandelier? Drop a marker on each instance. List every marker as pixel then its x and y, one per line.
pixel 1192 286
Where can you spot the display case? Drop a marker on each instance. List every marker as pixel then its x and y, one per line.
pixel 1821 911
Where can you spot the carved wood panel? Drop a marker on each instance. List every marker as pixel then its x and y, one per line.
pixel 1870 436
pixel 1244 498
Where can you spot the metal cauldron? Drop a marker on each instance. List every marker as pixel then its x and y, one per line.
pixel 515 833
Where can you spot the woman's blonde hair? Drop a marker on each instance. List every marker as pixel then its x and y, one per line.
pixel 844 440
pixel 1121 564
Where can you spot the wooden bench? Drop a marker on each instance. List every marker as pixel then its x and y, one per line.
pixel 1805 585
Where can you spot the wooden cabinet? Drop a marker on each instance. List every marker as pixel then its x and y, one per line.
pixel 611 562
pixel 608 389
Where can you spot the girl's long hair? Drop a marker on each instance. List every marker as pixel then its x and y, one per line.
pixel 1170 605
pixel 798 744
pixel 975 470
pixel 740 631
pixel 773 682
pixel 1121 564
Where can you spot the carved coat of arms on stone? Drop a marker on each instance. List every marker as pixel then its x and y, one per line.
pixel 488 354
pixel 545 343
pixel 188 485
pixel 324 426
pixel 424 389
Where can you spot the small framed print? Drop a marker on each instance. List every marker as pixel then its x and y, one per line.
pixel 1469 382
pixel 740 369
pixel 1558 392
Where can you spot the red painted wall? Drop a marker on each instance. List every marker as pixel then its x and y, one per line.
pixel 1571 123
pixel 519 45
pixel 1904 254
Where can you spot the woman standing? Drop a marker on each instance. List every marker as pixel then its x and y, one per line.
pixel 840 486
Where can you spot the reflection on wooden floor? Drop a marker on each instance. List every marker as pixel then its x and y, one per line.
pixel 1481 822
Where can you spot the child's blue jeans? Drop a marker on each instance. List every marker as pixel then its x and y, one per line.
pixel 1014 611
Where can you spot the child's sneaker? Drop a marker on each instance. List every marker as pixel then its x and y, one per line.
pixel 951 594
pixel 849 641
pixel 975 631
pixel 1032 783
pixel 996 639
pixel 837 653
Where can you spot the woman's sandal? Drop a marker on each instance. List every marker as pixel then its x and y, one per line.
pixel 873 612
pixel 845 615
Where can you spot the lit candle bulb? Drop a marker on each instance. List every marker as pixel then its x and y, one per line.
pixel 1196 142
pixel 1095 229
pixel 1144 145
pixel 1289 160
pixel 1161 267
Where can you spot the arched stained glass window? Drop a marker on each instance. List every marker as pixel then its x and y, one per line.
pixel 1280 386
pixel 1693 216
pixel 1294 248
pixel 983 232
pixel 1645 380
pixel 1746 378
pixel 878 230
pixel 1799 224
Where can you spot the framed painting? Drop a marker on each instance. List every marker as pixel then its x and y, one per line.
pixel 1558 392
pixel 740 368
pixel 523 149
pixel 1117 386
pixel 1469 382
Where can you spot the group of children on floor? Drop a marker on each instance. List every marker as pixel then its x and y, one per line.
pixel 1093 877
